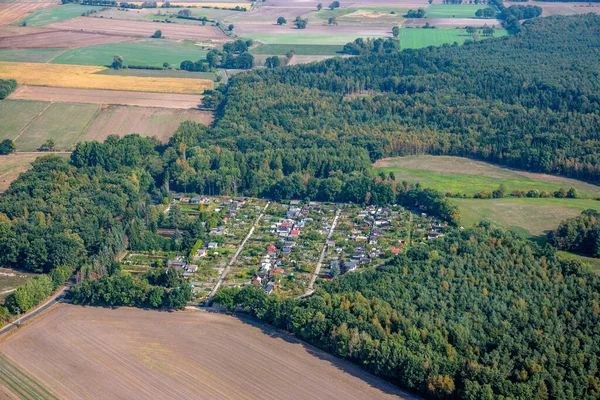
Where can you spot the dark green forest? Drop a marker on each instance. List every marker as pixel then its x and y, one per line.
pixel 478 314
pixel 580 234
pixel 524 101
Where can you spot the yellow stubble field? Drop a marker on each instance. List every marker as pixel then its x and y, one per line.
pixel 86 77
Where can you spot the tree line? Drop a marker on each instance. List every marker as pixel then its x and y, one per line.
pixel 580 234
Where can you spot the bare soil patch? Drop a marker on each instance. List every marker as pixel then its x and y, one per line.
pixel 125 353
pixel 10 12
pixel 567 8
pixel 90 96
pixel 13 30
pixel 197 33
pixel 59 39
pixel 146 121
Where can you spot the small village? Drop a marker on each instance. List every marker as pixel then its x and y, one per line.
pixel 291 242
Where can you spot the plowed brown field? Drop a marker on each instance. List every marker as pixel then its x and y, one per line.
pixel 197 33
pixel 142 99
pixel 10 12
pixel 54 39
pixel 77 353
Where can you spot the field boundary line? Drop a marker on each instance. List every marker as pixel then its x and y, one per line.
pixel 60 53
pixel 87 125
pixel 313 278
pixel 32 121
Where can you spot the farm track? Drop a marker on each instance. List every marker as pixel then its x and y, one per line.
pixel 237 253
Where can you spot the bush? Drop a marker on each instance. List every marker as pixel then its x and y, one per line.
pixel 7 86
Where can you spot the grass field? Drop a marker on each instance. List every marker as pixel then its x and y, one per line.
pixel 462 175
pixel 125 353
pixel 57 14
pixel 86 77
pixel 245 5
pixel 168 73
pixel 151 52
pixel 64 123
pixel 15 115
pixel 453 10
pixel 28 55
pixel 31 123
pixel 299 49
pixel 416 38
pixel 531 217
pixel 302 39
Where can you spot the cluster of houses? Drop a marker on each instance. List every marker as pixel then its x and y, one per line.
pixel 270 269
pixel 180 264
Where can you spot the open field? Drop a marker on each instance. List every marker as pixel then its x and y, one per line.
pixel 559 8
pixel 452 22
pixel 64 123
pixel 54 39
pixel 167 73
pixel 299 49
pixel 11 166
pixel 308 59
pixel 327 31
pixel 229 4
pixel 16 115
pixel 531 217
pixel 86 77
pixel 463 175
pixel 78 352
pixel 31 123
pixel 198 33
pixel 29 55
pixel 416 38
pixel 57 14
pixel 152 122
pixel 153 52
pixel 12 11
pixel 453 10
pixel 360 16
pixel 142 99
pixel 150 14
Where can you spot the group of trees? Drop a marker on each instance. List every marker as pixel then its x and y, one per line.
pixel 7 146
pixel 478 314
pixel 419 13
pixel 235 55
pixel 7 86
pixel 487 12
pixel 159 288
pixel 580 234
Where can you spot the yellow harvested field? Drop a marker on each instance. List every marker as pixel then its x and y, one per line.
pixel 203 4
pixel 85 77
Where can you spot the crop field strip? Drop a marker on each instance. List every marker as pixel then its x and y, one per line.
pixel 142 99
pixel 53 39
pixel 86 77
pixel 31 123
pixel 198 33
pixel 150 52
pixel 20 383
pixel 12 11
